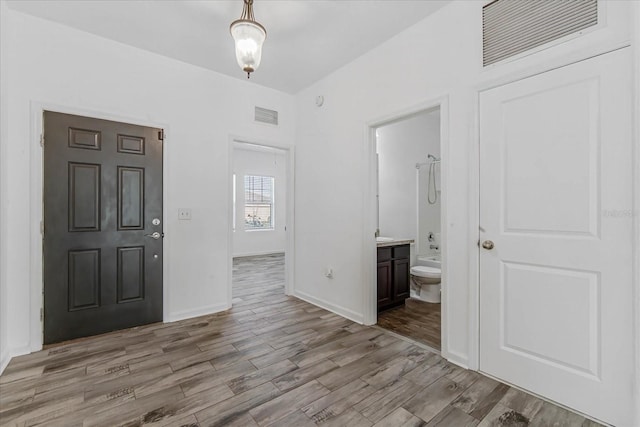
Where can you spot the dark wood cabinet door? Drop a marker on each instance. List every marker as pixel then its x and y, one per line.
pixel 385 278
pixel 401 279
pixel 102 206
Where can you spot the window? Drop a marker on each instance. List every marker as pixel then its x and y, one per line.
pixel 258 202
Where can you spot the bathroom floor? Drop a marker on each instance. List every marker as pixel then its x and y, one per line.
pixel 415 319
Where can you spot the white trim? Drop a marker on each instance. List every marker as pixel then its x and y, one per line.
pixel 36 165
pixel 5 358
pixel 636 204
pixel 235 140
pixel 370 312
pixel 196 312
pixel 7 355
pixel 337 309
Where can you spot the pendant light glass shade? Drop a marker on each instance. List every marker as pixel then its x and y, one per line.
pixel 249 37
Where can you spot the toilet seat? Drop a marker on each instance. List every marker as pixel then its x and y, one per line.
pixel 422 271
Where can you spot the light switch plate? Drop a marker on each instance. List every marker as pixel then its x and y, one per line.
pixel 184 214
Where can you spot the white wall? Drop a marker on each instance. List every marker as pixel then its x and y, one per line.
pixel 393 78
pixel 262 162
pixel 4 203
pixel 48 64
pixel 404 211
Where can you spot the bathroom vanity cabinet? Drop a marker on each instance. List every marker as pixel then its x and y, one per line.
pixel 393 276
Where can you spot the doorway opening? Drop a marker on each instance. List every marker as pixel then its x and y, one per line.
pixel 260 205
pixel 408 225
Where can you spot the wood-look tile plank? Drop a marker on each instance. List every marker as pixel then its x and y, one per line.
pixel 229 410
pixel 209 380
pixel 522 402
pixel 452 416
pixel 472 396
pixel 272 357
pixel 294 419
pixel 349 418
pixel 388 400
pixel 303 375
pixel 248 381
pixel 132 411
pixel 338 401
pixel 287 403
pixel 400 418
pixel 347 373
pixel 552 415
pixel 427 403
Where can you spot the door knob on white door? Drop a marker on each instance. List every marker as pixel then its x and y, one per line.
pixel 487 244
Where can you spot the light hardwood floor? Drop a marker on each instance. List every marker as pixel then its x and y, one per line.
pixel 271 360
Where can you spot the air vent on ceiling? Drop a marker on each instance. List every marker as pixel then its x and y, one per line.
pixel 510 27
pixel 264 115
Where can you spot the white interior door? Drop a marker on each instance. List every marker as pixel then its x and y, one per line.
pixel 556 200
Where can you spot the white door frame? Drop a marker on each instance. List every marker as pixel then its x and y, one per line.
pixel 290 221
pixel 36 207
pixel 369 291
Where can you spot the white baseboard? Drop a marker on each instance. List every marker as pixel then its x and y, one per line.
pixel 196 312
pixel 456 358
pixel 258 253
pixel 344 312
pixel 5 358
pixel 7 355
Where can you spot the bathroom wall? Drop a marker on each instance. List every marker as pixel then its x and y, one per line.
pixel 403 208
pixel 429 215
pixel 254 160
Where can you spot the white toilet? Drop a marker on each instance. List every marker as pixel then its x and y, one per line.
pixel 425 278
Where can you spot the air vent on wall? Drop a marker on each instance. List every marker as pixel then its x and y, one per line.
pixel 510 27
pixel 264 115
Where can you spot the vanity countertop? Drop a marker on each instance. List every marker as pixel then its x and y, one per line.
pixel 388 241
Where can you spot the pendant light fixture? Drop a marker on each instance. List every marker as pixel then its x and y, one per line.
pixel 248 36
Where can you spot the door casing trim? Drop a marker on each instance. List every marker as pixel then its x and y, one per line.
pixel 289 284
pixel 36 208
pixel 370 312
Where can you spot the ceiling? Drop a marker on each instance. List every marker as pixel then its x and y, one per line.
pixel 306 39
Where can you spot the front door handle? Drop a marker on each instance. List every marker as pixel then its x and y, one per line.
pixel 487 244
pixel 155 235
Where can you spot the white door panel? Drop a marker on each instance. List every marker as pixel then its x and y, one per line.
pixel 556 290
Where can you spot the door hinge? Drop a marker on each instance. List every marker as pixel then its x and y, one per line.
pixel 42 228
pixel 41 140
pixel 161 134
pixel 41 314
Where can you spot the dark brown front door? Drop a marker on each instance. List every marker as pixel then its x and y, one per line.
pixel 102 206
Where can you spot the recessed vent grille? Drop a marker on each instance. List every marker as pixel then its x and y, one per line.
pixel 264 115
pixel 510 27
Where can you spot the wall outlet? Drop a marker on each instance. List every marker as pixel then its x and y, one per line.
pixel 184 214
